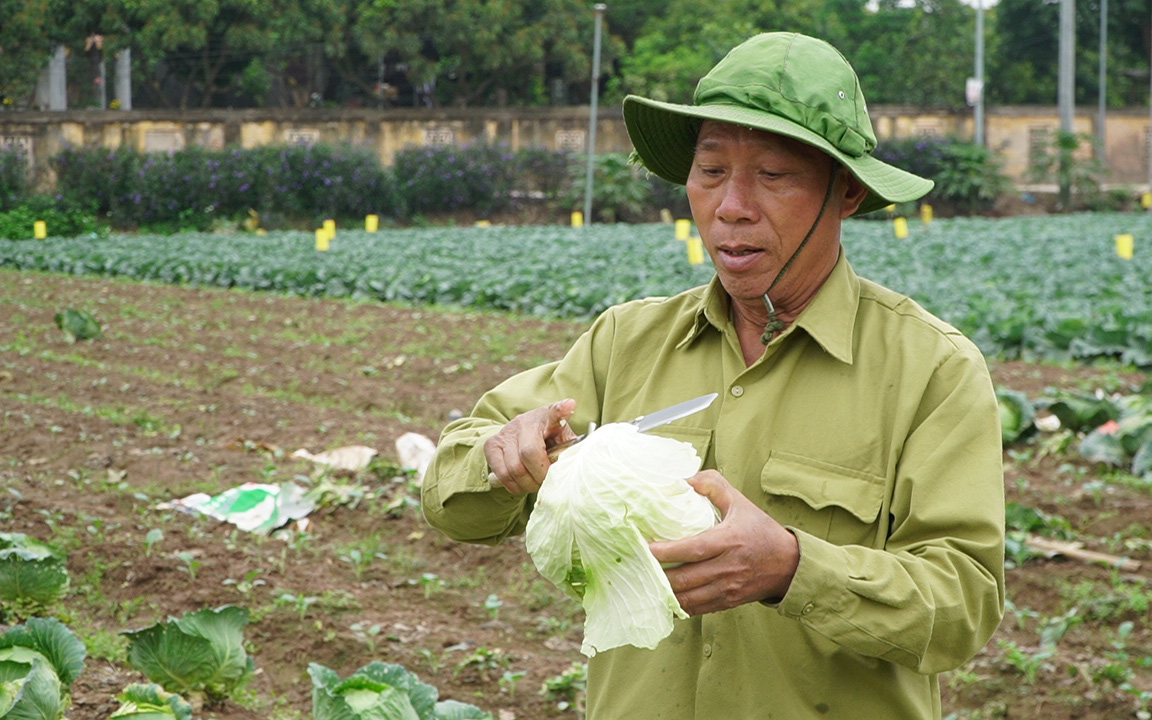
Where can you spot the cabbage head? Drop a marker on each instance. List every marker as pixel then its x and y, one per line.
pixel 601 504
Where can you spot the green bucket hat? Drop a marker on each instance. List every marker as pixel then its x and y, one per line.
pixel 785 83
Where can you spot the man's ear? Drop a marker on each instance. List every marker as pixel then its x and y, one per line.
pixel 854 193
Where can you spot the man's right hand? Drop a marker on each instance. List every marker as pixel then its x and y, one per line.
pixel 518 454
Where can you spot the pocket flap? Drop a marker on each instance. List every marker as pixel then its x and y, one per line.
pixel 821 484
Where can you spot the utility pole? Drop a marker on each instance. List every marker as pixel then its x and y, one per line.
pixel 124 78
pixel 978 116
pixel 1102 111
pixel 599 9
pixel 1066 93
pixel 1066 97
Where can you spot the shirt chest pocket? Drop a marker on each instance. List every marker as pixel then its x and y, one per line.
pixel 838 504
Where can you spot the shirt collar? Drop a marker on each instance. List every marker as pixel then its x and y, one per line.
pixel 830 319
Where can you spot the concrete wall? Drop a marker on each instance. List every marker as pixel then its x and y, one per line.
pixel 1011 130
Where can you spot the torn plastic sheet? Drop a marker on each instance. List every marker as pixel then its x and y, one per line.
pixel 252 507
pixel 353 457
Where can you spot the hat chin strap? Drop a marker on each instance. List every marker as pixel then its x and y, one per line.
pixel 775 324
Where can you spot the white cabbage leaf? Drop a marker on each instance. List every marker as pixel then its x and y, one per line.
pixel 600 505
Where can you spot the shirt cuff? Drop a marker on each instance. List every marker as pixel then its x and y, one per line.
pixel 819 583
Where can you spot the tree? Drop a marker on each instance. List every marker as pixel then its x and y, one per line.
pixel 25 49
pixel 916 53
pixel 1023 55
pixel 194 50
pixel 466 52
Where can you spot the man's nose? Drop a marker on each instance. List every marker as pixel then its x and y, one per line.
pixel 737 203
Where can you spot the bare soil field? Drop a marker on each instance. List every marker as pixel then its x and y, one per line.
pixel 200 390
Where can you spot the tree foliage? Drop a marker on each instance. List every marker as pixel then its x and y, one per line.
pixel 379 53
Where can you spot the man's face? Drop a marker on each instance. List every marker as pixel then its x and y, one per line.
pixel 754 196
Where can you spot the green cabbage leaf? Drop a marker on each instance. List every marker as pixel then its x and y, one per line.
pixel 149 701
pixel 200 652
pixel 29 691
pixel 600 505
pixel 32 574
pixel 382 691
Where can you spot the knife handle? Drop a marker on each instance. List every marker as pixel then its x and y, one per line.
pixel 553 454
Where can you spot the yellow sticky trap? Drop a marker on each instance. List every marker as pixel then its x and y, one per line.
pixel 1146 200
pixel 322 239
pixel 695 251
pixel 665 216
pixel 39 229
pixel 1125 245
pixel 483 223
pixel 926 214
pixel 577 218
pixel 891 208
pixel 683 229
pixel 371 223
pixel 330 228
pixel 900 228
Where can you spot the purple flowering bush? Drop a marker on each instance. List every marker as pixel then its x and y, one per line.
pixel 301 185
pixel 444 179
pixel 190 189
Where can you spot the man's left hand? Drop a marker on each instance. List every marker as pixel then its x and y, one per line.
pixel 747 557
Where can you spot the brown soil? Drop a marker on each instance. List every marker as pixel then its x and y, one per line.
pixel 201 390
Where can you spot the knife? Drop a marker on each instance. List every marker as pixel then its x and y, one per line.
pixel 644 423
pixel 647 422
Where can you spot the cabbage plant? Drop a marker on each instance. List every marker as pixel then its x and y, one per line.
pixel 601 503
pixel 202 652
pixel 38 663
pixel 150 702
pixel 32 574
pixel 382 691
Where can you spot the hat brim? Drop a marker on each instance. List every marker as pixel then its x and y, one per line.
pixel 664 135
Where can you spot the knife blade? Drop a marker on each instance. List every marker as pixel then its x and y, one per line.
pixel 648 422
pixel 644 423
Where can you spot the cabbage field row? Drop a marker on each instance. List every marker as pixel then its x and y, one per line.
pixel 1043 287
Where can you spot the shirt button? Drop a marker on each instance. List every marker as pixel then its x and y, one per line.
pixel 737 390
pixel 807 609
pixel 707 651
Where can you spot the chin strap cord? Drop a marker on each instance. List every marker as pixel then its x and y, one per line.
pixel 775 324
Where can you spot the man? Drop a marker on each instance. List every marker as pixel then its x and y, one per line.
pixel 854 452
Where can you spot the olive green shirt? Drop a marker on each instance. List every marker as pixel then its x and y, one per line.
pixel 869 428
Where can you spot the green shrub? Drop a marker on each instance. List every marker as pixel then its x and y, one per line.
pixel 1059 157
pixel 13 177
pixel 968 176
pixel 621 191
pixel 62 219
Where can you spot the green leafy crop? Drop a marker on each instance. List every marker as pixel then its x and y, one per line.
pixel 38 663
pixel 32 575
pixel 202 652
pixel 382 690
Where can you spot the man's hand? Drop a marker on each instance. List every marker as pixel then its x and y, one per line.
pixel 747 557
pixel 518 454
